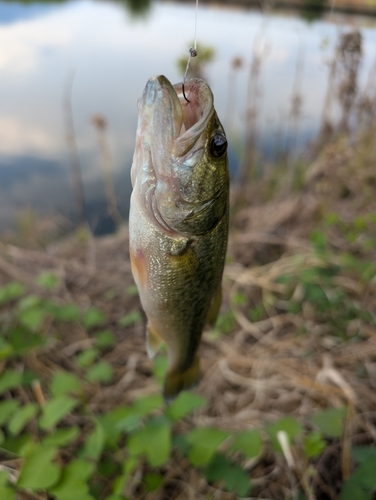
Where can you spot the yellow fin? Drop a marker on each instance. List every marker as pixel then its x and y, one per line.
pixel 178 381
pixel 153 342
pixel 215 306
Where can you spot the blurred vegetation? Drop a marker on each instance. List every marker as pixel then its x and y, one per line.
pixel 51 440
pixel 137 7
pixel 198 64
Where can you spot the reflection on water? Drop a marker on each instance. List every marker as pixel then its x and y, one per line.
pixel 113 51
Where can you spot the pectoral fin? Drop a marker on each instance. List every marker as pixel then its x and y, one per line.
pixel 153 341
pixel 215 306
pixel 177 381
pixel 139 269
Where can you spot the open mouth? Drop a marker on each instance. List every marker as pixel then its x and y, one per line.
pixel 197 107
pixel 192 104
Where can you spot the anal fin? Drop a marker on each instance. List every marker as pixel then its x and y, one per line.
pixel 177 381
pixel 153 341
pixel 215 306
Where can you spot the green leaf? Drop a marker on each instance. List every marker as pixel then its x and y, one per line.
pixel 154 440
pixel 126 418
pixel 204 442
pixel 22 417
pixel 3 478
pixel 77 490
pixel 247 442
pixel 110 423
pixel 68 312
pixel 32 318
pixel 48 280
pixel 7 493
pixel 313 444
pixel 105 339
pixel 153 481
pixel 10 379
pixel 330 421
pixel 184 404
pixel 365 474
pixel 39 471
pixel 316 295
pixel 288 424
pixel 23 340
pixel 94 443
pixel 101 372
pixel 29 302
pixel 217 467
pixel 160 368
pixel 370 271
pixel 352 490
pixel 144 406
pixel 62 437
pixel 7 408
pixel 55 410
pixel 64 383
pixel 318 239
pixel 130 318
pixel 6 349
pixel 359 453
pixel 29 377
pixel 11 291
pixel 93 317
pixel 19 445
pixel 73 482
pixel 86 358
pixel 225 322
pixel 237 480
pixel 239 299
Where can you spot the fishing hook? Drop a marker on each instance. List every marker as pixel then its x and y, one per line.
pixel 185 97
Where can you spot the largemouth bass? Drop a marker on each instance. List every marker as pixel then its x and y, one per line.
pixel 178 222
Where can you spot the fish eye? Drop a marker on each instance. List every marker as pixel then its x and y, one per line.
pixel 218 145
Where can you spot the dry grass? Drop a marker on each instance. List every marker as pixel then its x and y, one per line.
pixel 262 370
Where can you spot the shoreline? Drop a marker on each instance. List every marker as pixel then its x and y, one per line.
pixel 311 6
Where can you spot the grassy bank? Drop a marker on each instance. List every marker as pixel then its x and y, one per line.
pixel 286 406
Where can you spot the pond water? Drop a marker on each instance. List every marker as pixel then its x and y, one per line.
pixel 108 52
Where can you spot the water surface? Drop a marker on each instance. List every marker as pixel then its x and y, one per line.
pixel 112 53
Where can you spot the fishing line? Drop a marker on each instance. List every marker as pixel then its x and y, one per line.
pixel 331 9
pixel 192 53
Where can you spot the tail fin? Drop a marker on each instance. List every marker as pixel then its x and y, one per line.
pixel 177 381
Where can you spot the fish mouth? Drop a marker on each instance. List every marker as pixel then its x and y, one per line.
pixel 178 120
pixel 197 106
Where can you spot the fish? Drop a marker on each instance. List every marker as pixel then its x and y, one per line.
pixel 178 221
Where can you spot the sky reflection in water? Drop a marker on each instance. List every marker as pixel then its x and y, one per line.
pixel 112 55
